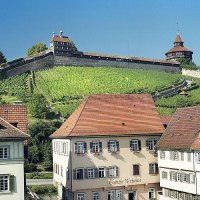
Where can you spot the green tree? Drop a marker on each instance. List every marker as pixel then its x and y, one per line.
pixel 2 58
pixel 73 46
pixel 48 159
pixel 37 48
pixel 37 106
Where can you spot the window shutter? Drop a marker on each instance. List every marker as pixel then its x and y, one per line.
pixel 100 146
pixel 156 168
pixel 108 146
pixel 175 176
pixel 170 174
pixel 75 147
pixel 117 171
pixel 108 174
pixel 74 174
pixel 96 172
pixel 117 143
pixel 188 178
pixel 131 145
pixel 147 144
pixel 12 183
pixel 91 147
pixel 139 145
pixel 181 177
pixel 85 173
pixel 85 147
pixel 150 171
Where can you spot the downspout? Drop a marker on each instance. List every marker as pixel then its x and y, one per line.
pixel 71 169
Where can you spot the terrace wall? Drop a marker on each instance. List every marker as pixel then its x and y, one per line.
pixel 192 73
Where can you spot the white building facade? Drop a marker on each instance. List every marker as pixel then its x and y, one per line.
pixel 111 158
pixel 179 157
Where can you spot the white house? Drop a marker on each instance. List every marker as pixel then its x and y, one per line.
pixel 105 150
pixel 179 156
pixel 12 152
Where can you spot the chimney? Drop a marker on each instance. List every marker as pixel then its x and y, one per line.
pixel 61 33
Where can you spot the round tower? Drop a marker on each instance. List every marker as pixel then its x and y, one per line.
pixel 179 51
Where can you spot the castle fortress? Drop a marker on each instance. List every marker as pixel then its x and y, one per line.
pixel 63 52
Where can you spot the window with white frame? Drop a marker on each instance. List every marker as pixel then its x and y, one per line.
pixel 4 183
pixel 173 175
pixel 153 168
pixel 113 146
pixel 151 193
pixel 95 196
pixel 112 171
pixel 162 154
pixel 150 144
pixel 78 173
pixel 96 147
pixel 80 147
pixel 118 195
pixel 102 172
pixel 198 157
pixel 164 175
pixel 135 145
pixel 80 196
pixel 111 195
pixel 4 152
pixel 178 176
pixel 90 173
pixel 174 155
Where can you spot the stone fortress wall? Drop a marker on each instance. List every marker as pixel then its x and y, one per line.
pixel 47 59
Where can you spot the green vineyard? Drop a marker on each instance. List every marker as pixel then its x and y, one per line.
pixel 65 87
pixel 66 83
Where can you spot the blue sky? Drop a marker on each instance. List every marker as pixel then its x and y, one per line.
pixel 142 28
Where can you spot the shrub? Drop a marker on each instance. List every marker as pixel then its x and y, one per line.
pixel 43 189
pixel 29 167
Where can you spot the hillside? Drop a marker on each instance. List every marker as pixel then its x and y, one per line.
pixel 65 87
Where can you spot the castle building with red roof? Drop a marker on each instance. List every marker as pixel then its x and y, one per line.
pixel 105 149
pixel 179 51
pixel 179 156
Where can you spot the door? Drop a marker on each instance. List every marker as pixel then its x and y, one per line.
pixel 132 195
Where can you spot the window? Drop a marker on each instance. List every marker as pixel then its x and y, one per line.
pixel 102 172
pixel 90 172
pixel 113 146
pixel 174 155
pixel 135 145
pixel 80 196
pixel 96 147
pixel 4 181
pixel 78 173
pixel 162 154
pixel 136 170
pixel 164 175
pixel 152 193
pixel 111 195
pixel 198 158
pixel 189 157
pixel 178 176
pixel 95 196
pixel 112 171
pixel 153 168
pixel 80 147
pixel 150 143
pixel 119 195
pixel 4 153
pixel 182 156
pixel 173 176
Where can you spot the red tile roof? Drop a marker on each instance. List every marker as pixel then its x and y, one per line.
pixel 178 38
pixel 177 49
pixel 61 39
pixel 183 131
pixel 130 58
pixel 165 119
pixel 15 114
pixel 8 131
pixel 113 115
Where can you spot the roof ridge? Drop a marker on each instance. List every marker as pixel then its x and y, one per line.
pixel 79 115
